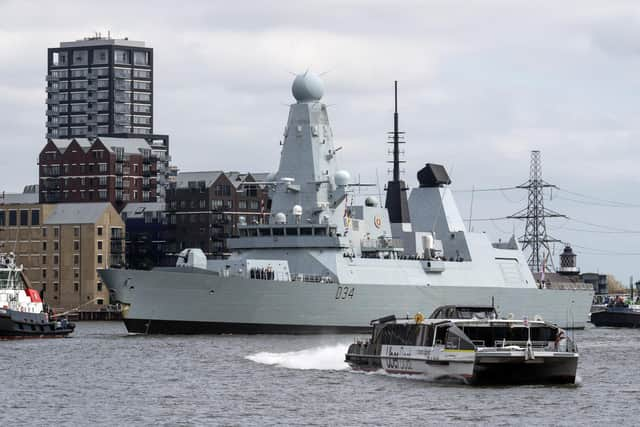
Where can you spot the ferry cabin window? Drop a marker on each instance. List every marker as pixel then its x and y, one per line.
pixel 35 217
pixel 426 336
pixel 491 336
pixel 400 334
pixel 441 334
pixel 13 218
pixel 2 219
pixel 456 339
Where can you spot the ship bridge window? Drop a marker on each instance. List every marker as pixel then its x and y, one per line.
pixel 306 231
pixel 252 232
pixel 264 232
pixel 320 231
pixel 278 231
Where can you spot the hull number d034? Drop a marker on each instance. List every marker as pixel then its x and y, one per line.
pixel 345 292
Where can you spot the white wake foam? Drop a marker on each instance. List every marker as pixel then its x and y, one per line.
pixel 320 358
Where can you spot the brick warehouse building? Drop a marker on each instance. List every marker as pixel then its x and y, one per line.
pixel 203 208
pixel 61 246
pixel 115 170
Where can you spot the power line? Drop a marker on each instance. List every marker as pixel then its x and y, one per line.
pixel 606 227
pixel 479 190
pixel 588 203
pixel 596 251
pixel 609 202
pixel 487 219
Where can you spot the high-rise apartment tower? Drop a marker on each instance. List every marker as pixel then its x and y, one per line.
pixel 99 86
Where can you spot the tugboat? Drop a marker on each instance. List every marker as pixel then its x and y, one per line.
pixel 619 314
pixel 22 313
pixel 471 344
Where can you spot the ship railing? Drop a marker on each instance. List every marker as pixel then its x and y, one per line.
pixel 522 344
pixel 311 278
pixel 568 286
pixel 381 245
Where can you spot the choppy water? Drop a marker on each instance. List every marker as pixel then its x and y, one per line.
pixel 103 376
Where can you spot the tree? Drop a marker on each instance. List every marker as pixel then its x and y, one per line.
pixel 614 286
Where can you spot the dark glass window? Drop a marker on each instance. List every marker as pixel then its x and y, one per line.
pixel 24 217
pixel 35 217
pixel 13 218
pixel 2 219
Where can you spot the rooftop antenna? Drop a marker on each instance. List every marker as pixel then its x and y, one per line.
pixel 535 235
pixel 396 202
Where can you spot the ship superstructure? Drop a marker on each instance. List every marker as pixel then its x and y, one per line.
pixel 325 261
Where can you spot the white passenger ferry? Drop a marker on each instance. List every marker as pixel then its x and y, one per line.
pixel 470 344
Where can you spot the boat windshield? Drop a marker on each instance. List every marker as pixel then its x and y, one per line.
pixel 10 279
pixel 475 313
pixel 456 312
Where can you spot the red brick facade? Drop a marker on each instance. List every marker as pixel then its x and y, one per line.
pixel 90 171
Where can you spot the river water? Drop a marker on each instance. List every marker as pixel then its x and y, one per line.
pixel 102 376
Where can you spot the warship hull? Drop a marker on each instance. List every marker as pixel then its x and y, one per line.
pixel 172 301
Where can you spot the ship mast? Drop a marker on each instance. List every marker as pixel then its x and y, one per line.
pixel 396 202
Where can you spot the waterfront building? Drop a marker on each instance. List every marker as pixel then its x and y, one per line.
pixel 103 87
pixel 204 208
pixel 598 281
pixel 146 225
pixel 61 246
pixel 102 169
pixel 99 86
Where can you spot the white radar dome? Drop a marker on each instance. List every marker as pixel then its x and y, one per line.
pixel 280 218
pixel 307 87
pixel 342 178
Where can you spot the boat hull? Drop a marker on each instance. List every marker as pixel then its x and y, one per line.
pixel 179 301
pixel 483 370
pixel 18 324
pixel 156 326
pixel 619 319
pixel 541 370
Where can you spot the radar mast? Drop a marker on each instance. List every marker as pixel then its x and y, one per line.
pixel 396 202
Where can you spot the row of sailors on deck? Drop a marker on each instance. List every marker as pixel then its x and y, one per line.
pixel 262 273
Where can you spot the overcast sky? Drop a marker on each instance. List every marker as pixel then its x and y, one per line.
pixel 482 83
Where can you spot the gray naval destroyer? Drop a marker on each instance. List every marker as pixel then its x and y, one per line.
pixel 325 262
